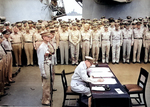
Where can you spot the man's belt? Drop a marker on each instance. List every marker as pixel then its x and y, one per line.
pixel 85 40
pixel 28 42
pixel 138 38
pixel 105 39
pixel 126 38
pixel 39 41
pixel 147 39
pixel 64 40
pixel 16 43
pixel 8 50
pixel 116 39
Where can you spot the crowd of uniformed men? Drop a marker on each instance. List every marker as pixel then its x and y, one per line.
pixel 78 35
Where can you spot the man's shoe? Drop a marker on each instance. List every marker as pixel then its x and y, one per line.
pixel 4 94
pixel 54 89
pixel 46 104
pixel 6 88
pixel 11 81
pixel 7 84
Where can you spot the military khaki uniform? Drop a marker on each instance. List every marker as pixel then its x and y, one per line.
pixel 44 65
pixel 96 44
pixel 17 45
pixel 74 38
pixel 138 37
pixel 146 44
pixel 28 46
pixel 127 43
pixel 86 43
pixel 105 38
pixel 116 42
pixel 7 46
pixel 2 70
pixel 64 46
pixel 38 40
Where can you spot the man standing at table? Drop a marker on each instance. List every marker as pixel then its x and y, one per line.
pixel 80 78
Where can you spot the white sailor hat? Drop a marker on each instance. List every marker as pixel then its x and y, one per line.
pixel 1 35
pixel 89 58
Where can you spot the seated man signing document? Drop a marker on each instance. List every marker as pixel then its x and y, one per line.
pixel 80 78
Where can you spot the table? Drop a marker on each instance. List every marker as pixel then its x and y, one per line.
pixel 110 98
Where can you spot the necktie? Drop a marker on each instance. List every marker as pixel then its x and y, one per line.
pixel 4 49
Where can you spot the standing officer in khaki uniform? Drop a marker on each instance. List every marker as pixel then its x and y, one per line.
pixel 28 46
pixel 44 53
pixel 105 38
pixel 74 38
pixel 116 42
pixel 64 45
pixel 138 34
pixel 2 67
pixel 17 45
pixel 86 41
pixel 96 43
pixel 146 44
pixel 37 37
pixel 7 46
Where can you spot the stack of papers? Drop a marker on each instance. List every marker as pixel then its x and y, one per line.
pixel 98 88
pixel 102 74
pixel 106 81
pixel 99 69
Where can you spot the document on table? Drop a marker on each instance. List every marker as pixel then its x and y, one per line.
pixel 99 69
pixel 98 88
pixel 119 91
pixel 102 74
pixel 106 81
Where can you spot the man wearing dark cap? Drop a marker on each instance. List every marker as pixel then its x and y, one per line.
pixel 127 43
pixel 80 78
pixel 138 37
pixel 7 46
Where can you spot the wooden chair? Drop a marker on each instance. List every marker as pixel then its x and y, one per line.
pixel 138 88
pixel 67 90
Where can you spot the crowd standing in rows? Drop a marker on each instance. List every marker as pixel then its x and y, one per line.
pixel 78 35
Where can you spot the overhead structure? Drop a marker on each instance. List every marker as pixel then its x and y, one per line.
pixel 57 8
pixel 112 1
pixel 79 2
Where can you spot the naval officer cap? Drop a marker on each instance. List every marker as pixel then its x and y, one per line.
pixel 7 32
pixel 129 17
pixel 7 23
pixel 89 59
pixel 1 35
pixel 45 33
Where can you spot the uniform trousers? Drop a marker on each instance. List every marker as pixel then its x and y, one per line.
pixel 105 51
pixel 95 50
pixel 48 84
pixel 115 51
pixel 54 56
pixel 17 49
pixel 137 49
pixel 85 49
pixel 1 77
pixel 74 53
pixel 147 51
pixel 80 87
pixel 5 69
pixel 9 65
pixel 64 46
pixel 29 52
pixel 126 49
